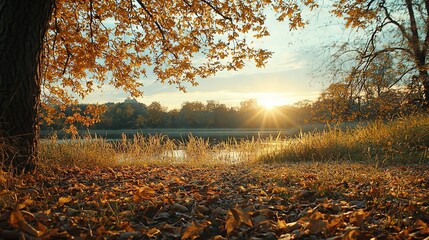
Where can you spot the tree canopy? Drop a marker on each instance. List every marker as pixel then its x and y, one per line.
pixel 90 43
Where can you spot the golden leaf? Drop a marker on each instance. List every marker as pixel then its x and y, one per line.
pixel 24 204
pixel 143 193
pixel 64 200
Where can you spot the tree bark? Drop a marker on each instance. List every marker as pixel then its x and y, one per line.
pixel 23 24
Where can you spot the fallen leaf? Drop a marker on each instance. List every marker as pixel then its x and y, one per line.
pixel 244 217
pixel 27 202
pixel 288 227
pixel 17 220
pixel 232 221
pixel 359 217
pixel 316 226
pixel 64 200
pixel 194 230
pixel 143 193
pixel 235 217
pixel 180 208
pixel 152 232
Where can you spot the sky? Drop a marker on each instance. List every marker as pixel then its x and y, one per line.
pixel 288 77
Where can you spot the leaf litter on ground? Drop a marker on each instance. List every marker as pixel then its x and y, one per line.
pixel 260 201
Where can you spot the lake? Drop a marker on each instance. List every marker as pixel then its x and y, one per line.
pixel 217 134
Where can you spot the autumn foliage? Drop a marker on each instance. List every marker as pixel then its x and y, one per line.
pixel 91 43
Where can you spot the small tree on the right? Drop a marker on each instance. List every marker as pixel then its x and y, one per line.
pixel 395 28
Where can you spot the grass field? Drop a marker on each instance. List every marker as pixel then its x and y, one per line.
pixel 368 182
pixel 379 143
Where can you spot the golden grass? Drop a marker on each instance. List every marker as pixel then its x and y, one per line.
pixel 148 150
pixel 403 140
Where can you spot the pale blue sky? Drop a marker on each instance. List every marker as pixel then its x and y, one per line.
pixel 286 78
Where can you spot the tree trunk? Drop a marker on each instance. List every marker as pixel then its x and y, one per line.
pixel 23 24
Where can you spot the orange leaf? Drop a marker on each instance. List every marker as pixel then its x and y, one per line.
pixel 24 204
pixel 152 232
pixel 41 227
pixel 64 200
pixel 143 193
pixel 16 218
pixel 232 222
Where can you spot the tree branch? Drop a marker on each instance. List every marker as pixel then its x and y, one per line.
pixel 152 17
pixel 217 10
pixel 388 49
pixel 401 28
pixel 91 19
pixel 400 77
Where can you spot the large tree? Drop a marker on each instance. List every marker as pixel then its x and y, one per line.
pixel 398 29
pixel 23 25
pixel 65 49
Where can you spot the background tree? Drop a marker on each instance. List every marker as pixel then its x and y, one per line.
pixel 66 49
pixel 156 115
pixel 398 29
pixel 192 115
pixel 334 104
pixel 248 113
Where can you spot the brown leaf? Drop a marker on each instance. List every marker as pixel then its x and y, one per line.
pixel 232 221
pixel 143 193
pixel 17 220
pixel 423 226
pixel 100 230
pixel 357 234
pixel 359 217
pixel 287 227
pixel 352 235
pixel 41 227
pixel 244 217
pixel 332 224
pixel 152 232
pixel 194 230
pixel 316 226
pixel 235 217
pixel 180 208
pixel 50 233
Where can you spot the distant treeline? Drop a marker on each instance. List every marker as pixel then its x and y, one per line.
pixel 334 105
pixel 132 114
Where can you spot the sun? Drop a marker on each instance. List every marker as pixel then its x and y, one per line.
pixel 268 102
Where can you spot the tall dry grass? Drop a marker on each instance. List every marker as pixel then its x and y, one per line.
pixel 403 140
pixel 152 149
